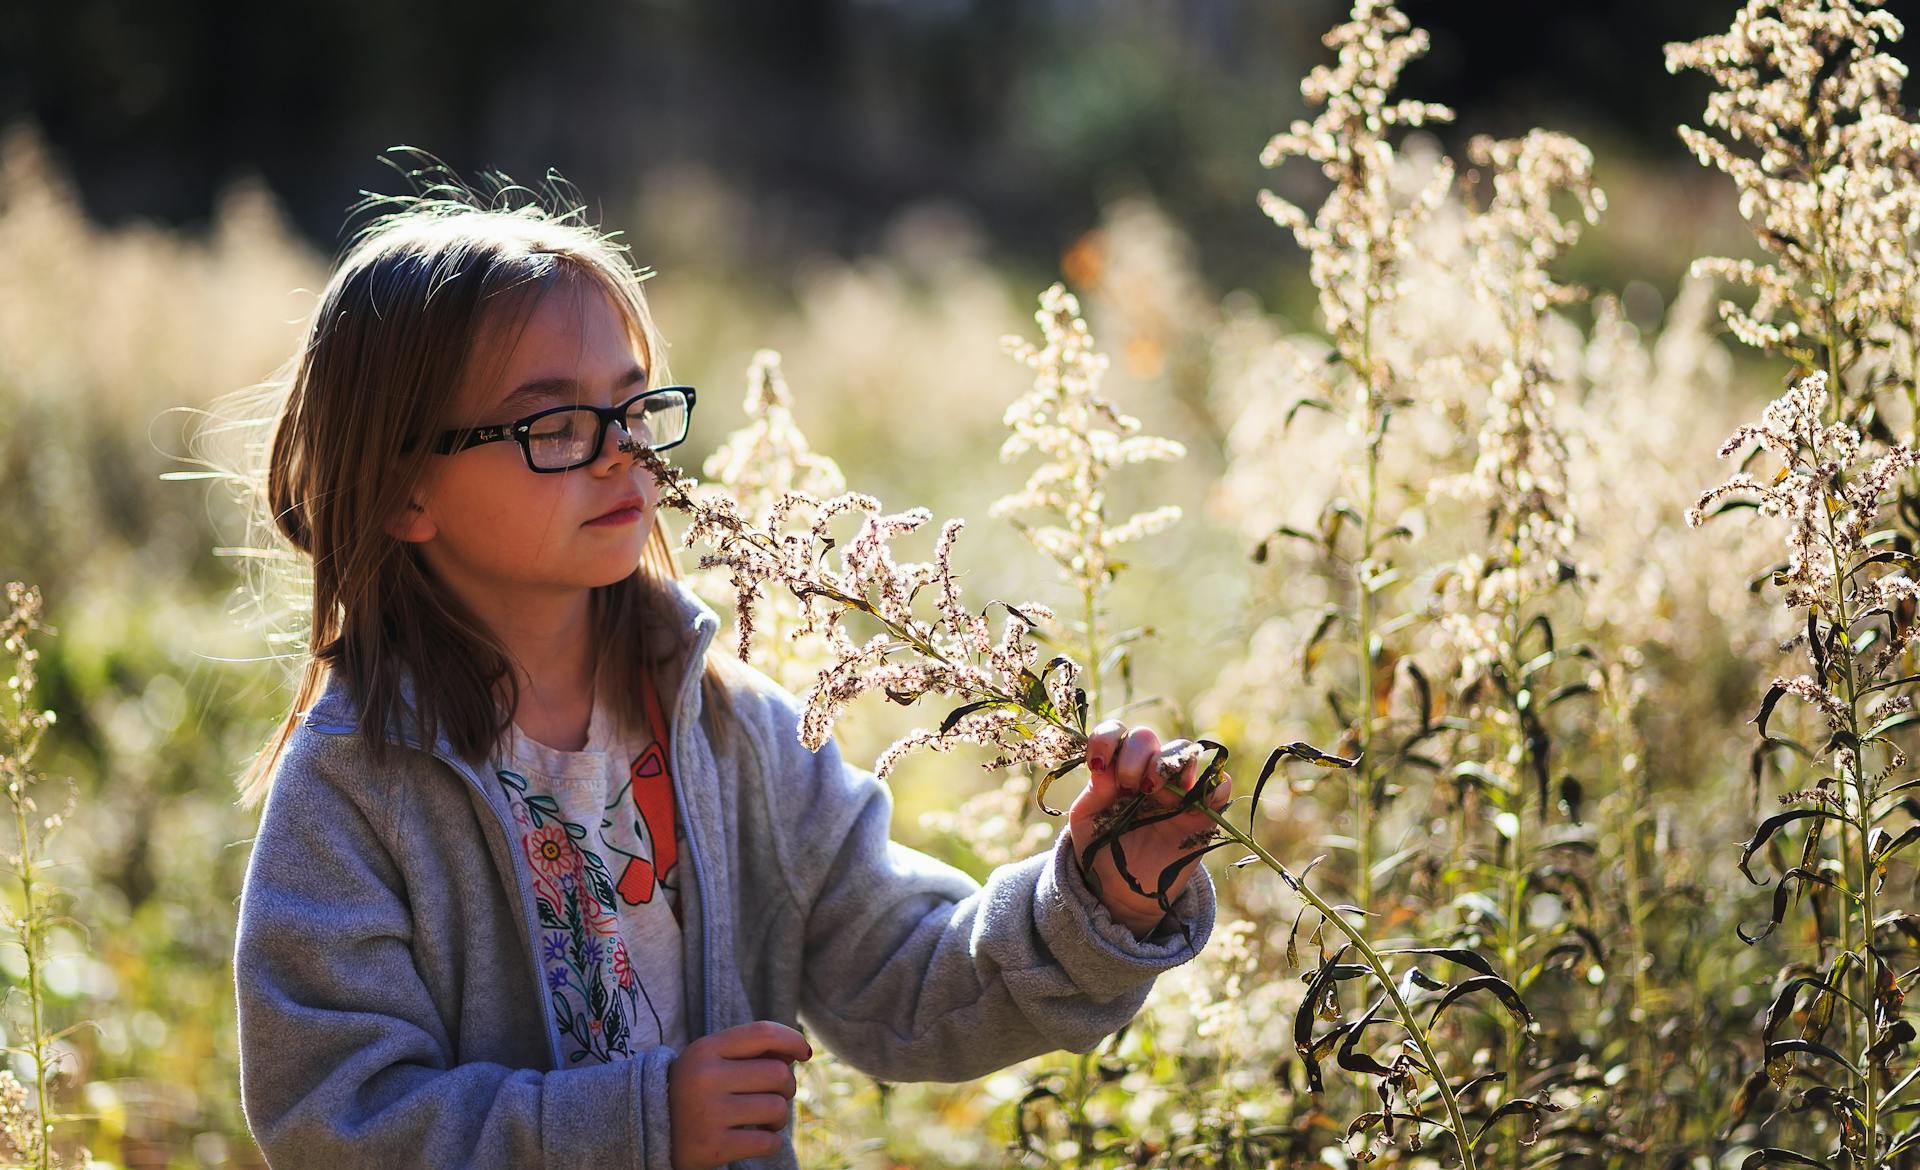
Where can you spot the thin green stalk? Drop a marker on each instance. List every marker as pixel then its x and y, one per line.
pixel 22 733
pixel 1363 822
pixel 1516 873
pixel 1864 801
pixel 30 942
pixel 1381 973
pixel 1085 1070
pixel 1639 1043
pixel 1093 653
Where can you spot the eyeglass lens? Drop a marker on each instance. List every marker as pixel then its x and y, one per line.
pixel 566 438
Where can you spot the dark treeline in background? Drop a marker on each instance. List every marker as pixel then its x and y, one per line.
pixel 825 115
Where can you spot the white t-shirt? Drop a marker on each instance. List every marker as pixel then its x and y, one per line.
pixel 601 832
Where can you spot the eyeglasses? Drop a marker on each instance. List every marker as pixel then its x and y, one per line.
pixel 562 438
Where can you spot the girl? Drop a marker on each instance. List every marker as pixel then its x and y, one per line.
pixel 543 878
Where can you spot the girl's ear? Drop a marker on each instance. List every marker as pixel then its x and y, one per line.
pixel 412 524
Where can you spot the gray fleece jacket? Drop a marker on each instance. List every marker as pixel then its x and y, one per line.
pixel 393 1014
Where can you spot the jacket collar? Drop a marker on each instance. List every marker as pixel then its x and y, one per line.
pixel 337 713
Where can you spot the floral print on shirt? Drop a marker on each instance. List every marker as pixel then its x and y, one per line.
pixel 591 976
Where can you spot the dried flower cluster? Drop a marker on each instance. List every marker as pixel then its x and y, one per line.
pixel 1359 238
pixel 1494 622
pixel 755 467
pixel 1359 243
pixel 30 724
pixel 954 654
pixel 1827 163
pixel 1520 473
pixel 1814 456
pixel 1083 437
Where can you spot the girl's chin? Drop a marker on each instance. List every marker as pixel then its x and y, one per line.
pixel 615 559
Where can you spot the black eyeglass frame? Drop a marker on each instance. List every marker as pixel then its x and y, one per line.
pixel 520 430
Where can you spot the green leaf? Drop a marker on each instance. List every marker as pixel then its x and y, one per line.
pixel 1544 625
pixel 1457 955
pixel 1893 845
pixel 1260 551
pixel 1319 986
pixel 965 709
pixel 1313 755
pixel 1310 652
pixel 1350 1057
pixel 1897 719
pixel 1774 1156
pixel 1065 766
pixel 1266 773
pixel 1528 1105
pixel 1774 695
pixel 1568 692
pixel 1811 1048
pixel 1426 694
pixel 1781 892
pixel 1315 403
pixel 1491 983
pixel 1774 824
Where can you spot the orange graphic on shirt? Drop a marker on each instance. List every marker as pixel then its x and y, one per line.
pixel 653 800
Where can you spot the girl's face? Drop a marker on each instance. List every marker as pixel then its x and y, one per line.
pixel 499 532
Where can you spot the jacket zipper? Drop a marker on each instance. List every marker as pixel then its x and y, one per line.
pixel 533 926
pixel 521 884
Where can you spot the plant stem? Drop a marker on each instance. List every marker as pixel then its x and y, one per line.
pixel 1363 813
pixel 1637 800
pixel 30 942
pixel 1094 703
pixel 1380 972
pixel 1863 799
pixel 1516 867
pixel 1862 833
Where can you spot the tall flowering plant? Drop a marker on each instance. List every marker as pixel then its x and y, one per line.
pixel 1851 582
pixel 1495 613
pixel 1813 135
pixel 1358 244
pixel 1084 437
pixel 27 1119
pixel 1361 247
pixel 754 466
pixel 1827 163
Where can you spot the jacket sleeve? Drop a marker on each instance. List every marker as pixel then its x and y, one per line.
pixel 344 1060
pixel 915 972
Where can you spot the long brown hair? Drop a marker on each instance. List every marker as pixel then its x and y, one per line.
pixel 386 349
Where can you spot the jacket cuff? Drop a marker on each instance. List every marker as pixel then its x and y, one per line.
pixel 574 1123
pixel 1103 957
pixel 653 1132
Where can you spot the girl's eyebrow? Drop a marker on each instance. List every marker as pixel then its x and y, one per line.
pixel 542 390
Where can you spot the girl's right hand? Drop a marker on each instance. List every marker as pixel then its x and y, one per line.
pixel 728 1094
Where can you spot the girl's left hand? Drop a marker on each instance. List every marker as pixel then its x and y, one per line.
pixel 1122 762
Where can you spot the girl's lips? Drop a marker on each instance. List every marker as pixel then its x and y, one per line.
pixel 623 516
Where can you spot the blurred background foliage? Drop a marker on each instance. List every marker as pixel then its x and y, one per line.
pixel 824 118
pixel 878 190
